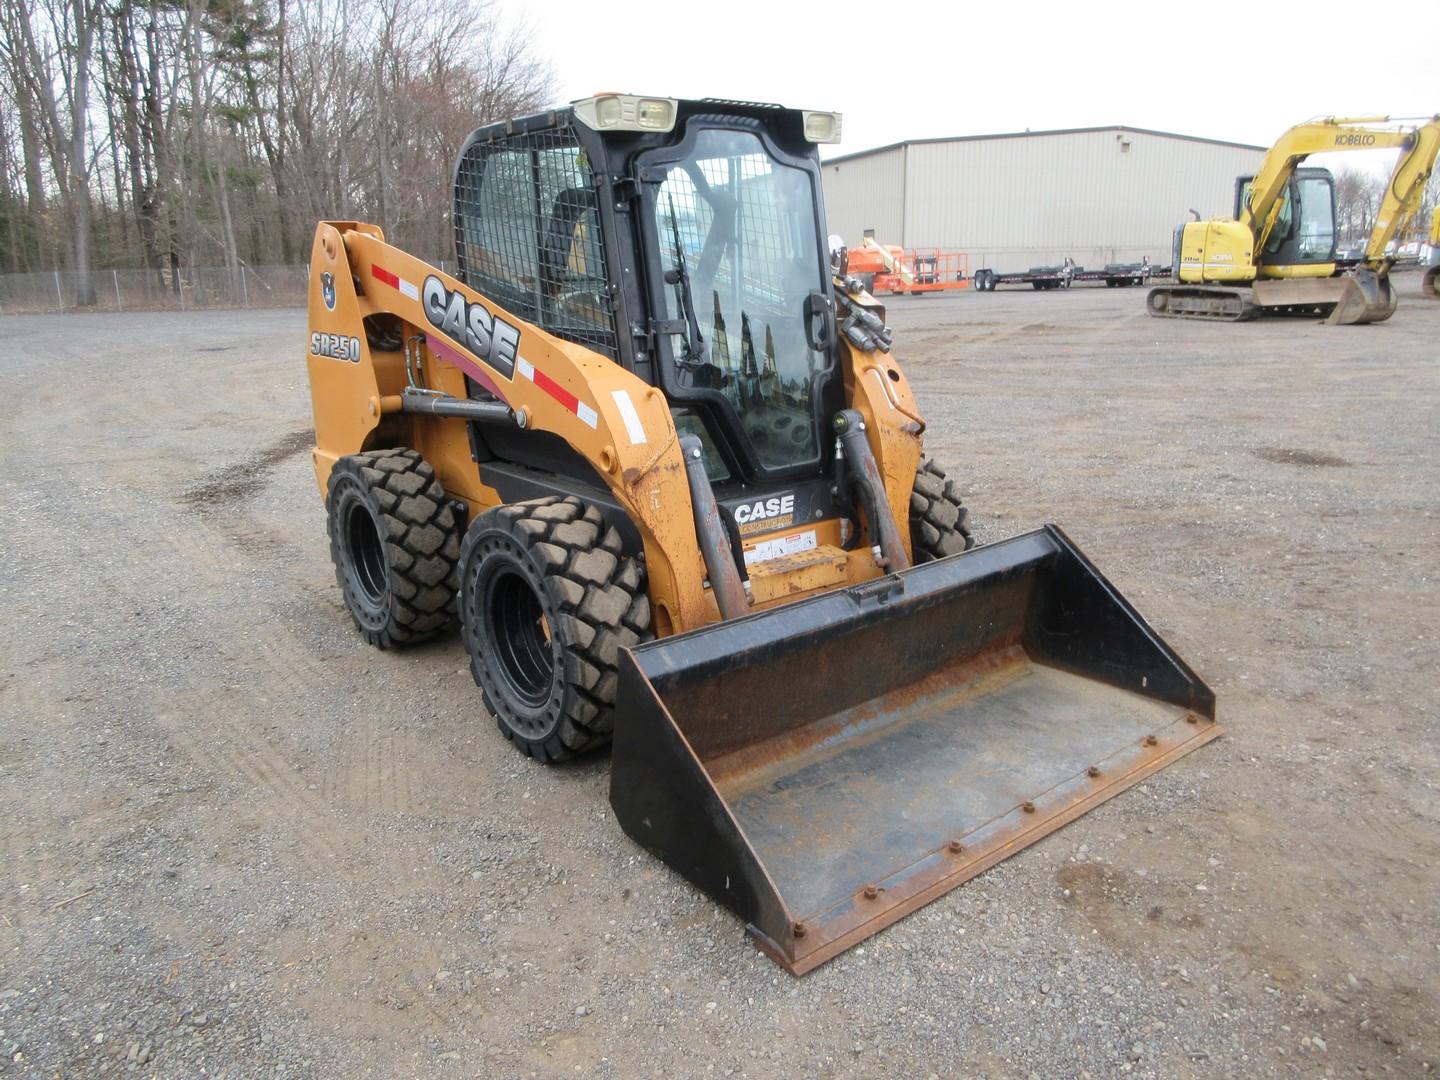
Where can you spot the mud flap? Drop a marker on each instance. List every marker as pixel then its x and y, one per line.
pixel 825 768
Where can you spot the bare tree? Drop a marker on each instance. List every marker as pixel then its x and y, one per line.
pixel 1357 201
pixel 49 52
pixel 167 133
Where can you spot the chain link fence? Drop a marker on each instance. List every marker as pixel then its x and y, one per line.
pixel 192 289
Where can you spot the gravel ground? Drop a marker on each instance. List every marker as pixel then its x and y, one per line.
pixel 235 841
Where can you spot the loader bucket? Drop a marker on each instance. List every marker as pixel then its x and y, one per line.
pixel 824 768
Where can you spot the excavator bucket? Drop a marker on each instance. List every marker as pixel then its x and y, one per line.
pixel 824 768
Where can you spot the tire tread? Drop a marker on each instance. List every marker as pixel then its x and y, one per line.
pixel 939 521
pixel 421 540
pixel 601 600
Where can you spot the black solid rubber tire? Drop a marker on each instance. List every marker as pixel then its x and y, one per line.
pixel 395 545
pixel 549 684
pixel 939 522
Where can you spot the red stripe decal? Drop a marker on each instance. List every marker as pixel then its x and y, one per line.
pixel 558 392
pixel 384 275
pixel 450 354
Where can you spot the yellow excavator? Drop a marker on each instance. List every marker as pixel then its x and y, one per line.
pixel 1278 254
pixel 650 449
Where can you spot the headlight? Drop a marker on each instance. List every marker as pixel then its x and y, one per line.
pixel 626 112
pixel 822 127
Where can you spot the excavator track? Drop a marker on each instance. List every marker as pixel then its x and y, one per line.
pixel 1213 303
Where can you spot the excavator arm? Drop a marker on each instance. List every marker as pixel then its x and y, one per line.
pixel 1406 185
pixel 1334 134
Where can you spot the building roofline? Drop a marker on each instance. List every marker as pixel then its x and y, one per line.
pixel 1033 134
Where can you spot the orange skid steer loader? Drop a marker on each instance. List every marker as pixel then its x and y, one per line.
pixel 656 459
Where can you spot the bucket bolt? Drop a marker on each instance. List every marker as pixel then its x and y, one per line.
pixel 1028 806
pixel 1151 740
pixel 798 929
pixel 956 847
pixel 871 892
pixel 1093 771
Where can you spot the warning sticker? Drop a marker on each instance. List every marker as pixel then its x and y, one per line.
pixel 781 545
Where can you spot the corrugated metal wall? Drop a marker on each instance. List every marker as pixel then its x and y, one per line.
pixel 873 191
pixel 1020 201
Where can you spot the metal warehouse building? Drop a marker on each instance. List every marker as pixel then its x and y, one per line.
pixel 1098 195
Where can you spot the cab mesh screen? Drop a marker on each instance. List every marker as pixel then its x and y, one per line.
pixel 527 234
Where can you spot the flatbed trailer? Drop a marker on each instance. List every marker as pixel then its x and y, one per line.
pixel 1119 275
pixel 1114 275
pixel 1037 277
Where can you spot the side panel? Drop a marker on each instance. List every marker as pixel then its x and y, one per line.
pixel 344 384
pixel 606 414
pixel 1216 251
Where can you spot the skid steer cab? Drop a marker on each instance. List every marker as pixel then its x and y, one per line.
pixel 657 461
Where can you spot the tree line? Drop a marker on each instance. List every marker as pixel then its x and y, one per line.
pixel 173 133
pixel 1357 205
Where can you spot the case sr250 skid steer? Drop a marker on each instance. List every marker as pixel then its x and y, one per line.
pixel 657 461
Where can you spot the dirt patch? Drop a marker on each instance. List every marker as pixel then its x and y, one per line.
pixel 241 480
pixel 287 848
pixel 1280 455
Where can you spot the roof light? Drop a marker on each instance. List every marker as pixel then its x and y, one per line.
pixel 822 127
pixel 626 112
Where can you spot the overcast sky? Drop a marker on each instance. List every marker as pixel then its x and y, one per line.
pixel 921 70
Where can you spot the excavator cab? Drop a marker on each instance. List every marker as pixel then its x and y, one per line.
pixel 1301 231
pixel 658 459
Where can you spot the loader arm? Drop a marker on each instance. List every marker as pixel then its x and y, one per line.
pixel 613 419
pixel 617 422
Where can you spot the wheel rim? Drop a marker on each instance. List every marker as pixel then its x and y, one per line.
pixel 367 553
pixel 519 637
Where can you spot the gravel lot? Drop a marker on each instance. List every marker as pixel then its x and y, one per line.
pixel 235 841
